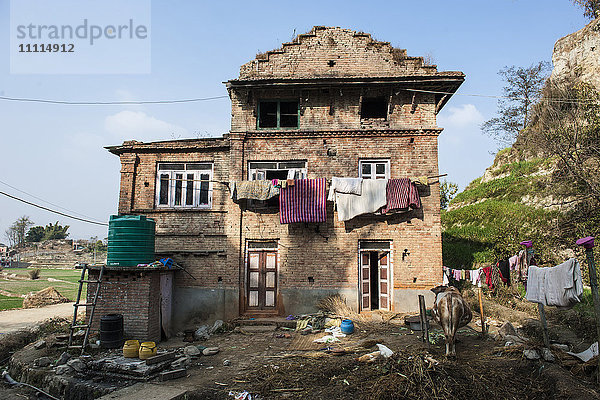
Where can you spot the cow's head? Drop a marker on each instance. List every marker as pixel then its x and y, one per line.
pixel 439 289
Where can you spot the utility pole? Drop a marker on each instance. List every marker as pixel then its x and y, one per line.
pixel 588 244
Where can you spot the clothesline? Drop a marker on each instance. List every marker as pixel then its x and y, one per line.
pixel 226 183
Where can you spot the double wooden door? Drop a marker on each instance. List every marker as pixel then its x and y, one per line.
pixel 262 280
pixel 374 280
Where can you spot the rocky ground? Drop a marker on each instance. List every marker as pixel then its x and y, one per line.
pixel 275 363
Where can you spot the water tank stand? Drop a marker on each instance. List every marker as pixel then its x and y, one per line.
pixel 87 326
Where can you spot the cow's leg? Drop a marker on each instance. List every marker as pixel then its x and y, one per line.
pixel 448 346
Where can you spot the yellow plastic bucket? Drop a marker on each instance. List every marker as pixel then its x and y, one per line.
pixel 131 349
pixel 147 350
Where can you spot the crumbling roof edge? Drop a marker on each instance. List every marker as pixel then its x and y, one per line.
pixel 437 77
pixel 179 144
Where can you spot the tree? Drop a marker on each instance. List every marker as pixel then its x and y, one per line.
pixel 16 232
pixel 591 8
pixel 55 231
pixel 522 90
pixel 447 192
pixel 566 125
pixel 35 234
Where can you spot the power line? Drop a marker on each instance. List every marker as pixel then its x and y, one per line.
pixel 53 211
pixel 46 201
pixel 109 103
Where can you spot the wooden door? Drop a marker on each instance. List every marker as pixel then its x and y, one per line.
pixel 384 287
pixel 262 280
pixel 365 280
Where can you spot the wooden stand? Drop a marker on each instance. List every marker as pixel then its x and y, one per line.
pixel 483 328
pixel 423 315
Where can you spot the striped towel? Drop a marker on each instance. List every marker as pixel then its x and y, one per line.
pixel 303 202
pixel 401 194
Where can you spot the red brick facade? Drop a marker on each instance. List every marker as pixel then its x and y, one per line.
pixel 329 72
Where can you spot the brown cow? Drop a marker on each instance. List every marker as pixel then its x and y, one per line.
pixel 451 311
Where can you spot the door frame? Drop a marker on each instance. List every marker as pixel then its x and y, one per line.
pixel 245 283
pixel 390 282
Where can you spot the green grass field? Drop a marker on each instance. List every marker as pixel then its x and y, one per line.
pixel 20 287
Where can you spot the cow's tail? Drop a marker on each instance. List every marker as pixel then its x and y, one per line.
pixel 449 303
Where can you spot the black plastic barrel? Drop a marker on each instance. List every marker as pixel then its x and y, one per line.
pixel 111 331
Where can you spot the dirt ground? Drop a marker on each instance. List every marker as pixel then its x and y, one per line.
pixel 272 367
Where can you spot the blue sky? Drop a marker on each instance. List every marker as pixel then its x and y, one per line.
pixel 56 151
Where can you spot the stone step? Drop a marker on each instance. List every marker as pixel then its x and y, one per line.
pixel 272 322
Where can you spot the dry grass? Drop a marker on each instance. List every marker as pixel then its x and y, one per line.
pixel 336 305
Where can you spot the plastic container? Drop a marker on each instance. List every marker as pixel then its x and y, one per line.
pixel 347 326
pixel 131 349
pixel 130 240
pixel 111 331
pixel 147 350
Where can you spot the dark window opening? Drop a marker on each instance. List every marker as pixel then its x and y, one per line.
pixel 189 190
pixel 204 188
pixel 373 108
pixel 278 114
pixel 331 63
pixel 178 187
pixel 268 114
pixel 164 189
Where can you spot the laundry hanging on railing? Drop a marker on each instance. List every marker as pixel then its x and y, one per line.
pixel 344 185
pixel 559 286
pixel 254 190
pixel 401 194
pixel 371 199
pixel 305 201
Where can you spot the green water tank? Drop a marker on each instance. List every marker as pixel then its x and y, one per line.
pixel 130 240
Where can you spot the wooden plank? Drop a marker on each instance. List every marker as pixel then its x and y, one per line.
pixel 160 358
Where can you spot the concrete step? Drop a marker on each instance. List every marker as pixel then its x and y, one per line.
pixel 269 321
pixel 147 391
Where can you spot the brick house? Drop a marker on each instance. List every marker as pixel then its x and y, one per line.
pixel 333 102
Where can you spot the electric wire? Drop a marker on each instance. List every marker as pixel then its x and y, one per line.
pixel 110 103
pixel 46 201
pixel 53 211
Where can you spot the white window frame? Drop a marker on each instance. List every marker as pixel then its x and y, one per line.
pixel 256 171
pixel 197 180
pixel 373 163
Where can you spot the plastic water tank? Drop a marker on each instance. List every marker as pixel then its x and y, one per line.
pixel 130 240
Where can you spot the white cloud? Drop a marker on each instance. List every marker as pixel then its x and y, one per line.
pixel 137 125
pixel 464 116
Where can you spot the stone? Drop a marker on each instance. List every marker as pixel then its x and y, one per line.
pixel 210 351
pixel 531 354
pixel 514 339
pixel 63 369
pixel 76 364
pixel 202 333
pixel 64 357
pixel 507 329
pixel 216 326
pixel 191 351
pixel 42 362
pixel 226 363
pixel 562 347
pixel 39 344
pixel 547 355
pixel 182 362
pixel 168 375
pixel 79 333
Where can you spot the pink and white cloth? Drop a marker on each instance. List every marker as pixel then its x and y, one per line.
pixel 305 201
pixel 401 194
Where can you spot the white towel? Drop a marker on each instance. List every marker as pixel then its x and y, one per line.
pixel 373 197
pixel 344 185
pixel 559 286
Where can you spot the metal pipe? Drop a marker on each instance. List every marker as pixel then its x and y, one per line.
pixel 11 381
